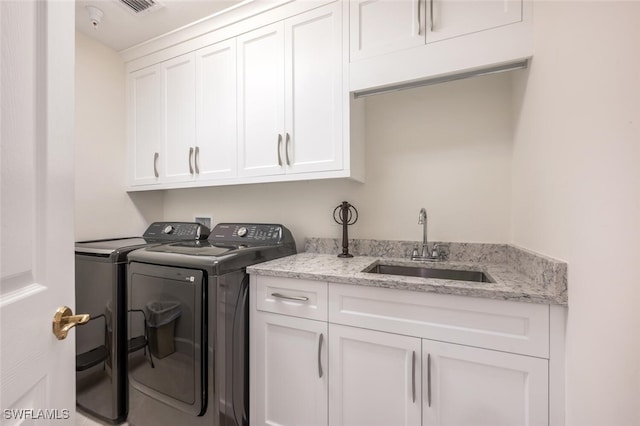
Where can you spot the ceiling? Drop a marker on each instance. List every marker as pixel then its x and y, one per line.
pixel 121 28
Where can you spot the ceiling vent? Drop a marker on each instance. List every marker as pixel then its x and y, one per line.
pixel 139 7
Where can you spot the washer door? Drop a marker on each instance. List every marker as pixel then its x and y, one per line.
pixel 167 335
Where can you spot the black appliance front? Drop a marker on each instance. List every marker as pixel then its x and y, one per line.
pixel 195 323
pixel 101 345
pixel 101 376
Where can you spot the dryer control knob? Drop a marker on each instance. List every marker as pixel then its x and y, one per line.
pixel 168 229
pixel 242 231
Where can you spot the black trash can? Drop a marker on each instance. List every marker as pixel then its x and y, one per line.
pixel 162 318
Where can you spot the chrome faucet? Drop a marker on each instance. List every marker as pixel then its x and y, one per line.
pixel 424 253
pixel 422 220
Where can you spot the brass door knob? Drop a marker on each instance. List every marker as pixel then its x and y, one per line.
pixel 64 320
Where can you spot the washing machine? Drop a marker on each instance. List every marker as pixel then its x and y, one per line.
pixel 195 295
pixel 101 344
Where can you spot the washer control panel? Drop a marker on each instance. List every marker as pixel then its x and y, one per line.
pixel 250 233
pixel 175 231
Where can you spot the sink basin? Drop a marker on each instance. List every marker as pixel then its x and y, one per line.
pixel 424 272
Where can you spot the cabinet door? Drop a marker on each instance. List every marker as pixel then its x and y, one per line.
pixel 179 116
pixel 463 385
pixel 215 155
pixel 453 18
pixel 144 126
pixel 313 84
pixel 383 26
pixel 374 378
pixel 261 101
pixel 288 371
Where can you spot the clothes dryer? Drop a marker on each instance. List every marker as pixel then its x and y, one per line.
pixel 200 345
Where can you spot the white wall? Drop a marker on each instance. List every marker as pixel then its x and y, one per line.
pixel 445 147
pixel 102 207
pixel 576 193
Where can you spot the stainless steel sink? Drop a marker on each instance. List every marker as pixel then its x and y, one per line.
pixel 425 272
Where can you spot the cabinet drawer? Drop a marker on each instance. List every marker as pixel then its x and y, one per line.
pixel 515 327
pixel 299 298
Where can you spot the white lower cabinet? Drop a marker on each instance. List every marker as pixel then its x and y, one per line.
pixel 463 385
pixel 319 372
pixel 288 371
pixel 378 378
pixel 374 378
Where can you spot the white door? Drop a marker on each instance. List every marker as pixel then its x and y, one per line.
pixel 374 378
pixel 216 154
pixel 378 27
pixel 37 379
pixel 289 371
pixel 453 18
pixel 178 105
pixel 313 90
pixel 261 101
pixel 463 385
pixel 144 126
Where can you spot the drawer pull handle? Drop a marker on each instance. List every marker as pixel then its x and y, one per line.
pixel 413 376
pixel 419 23
pixel 155 164
pixel 286 148
pixel 297 298
pixel 431 15
pixel 429 379
pixel 190 160
pixel 319 355
pixel 279 150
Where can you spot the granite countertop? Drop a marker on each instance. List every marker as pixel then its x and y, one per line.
pixel 519 275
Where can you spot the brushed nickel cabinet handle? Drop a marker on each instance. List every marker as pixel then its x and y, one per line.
pixel 196 160
pixel 155 164
pixel 431 15
pixel 429 379
pixel 190 160
pixel 320 355
pixel 419 22
pixel 286 149
pixel 296 298
pixel 413 376
pixel 279 146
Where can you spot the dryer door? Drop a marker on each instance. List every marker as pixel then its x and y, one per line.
pixel 167 335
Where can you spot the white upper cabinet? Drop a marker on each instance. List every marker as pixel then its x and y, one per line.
pixel 400 41
pixel 383 26
pixel 215 153
pixel 453 18
pixel 290 95
pixel 178 107
pixel 313 91
pixel 144 126
pixel 261 101
pixel 261 98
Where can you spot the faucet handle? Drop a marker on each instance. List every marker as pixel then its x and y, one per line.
pixel 440 251
pixel 415 253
